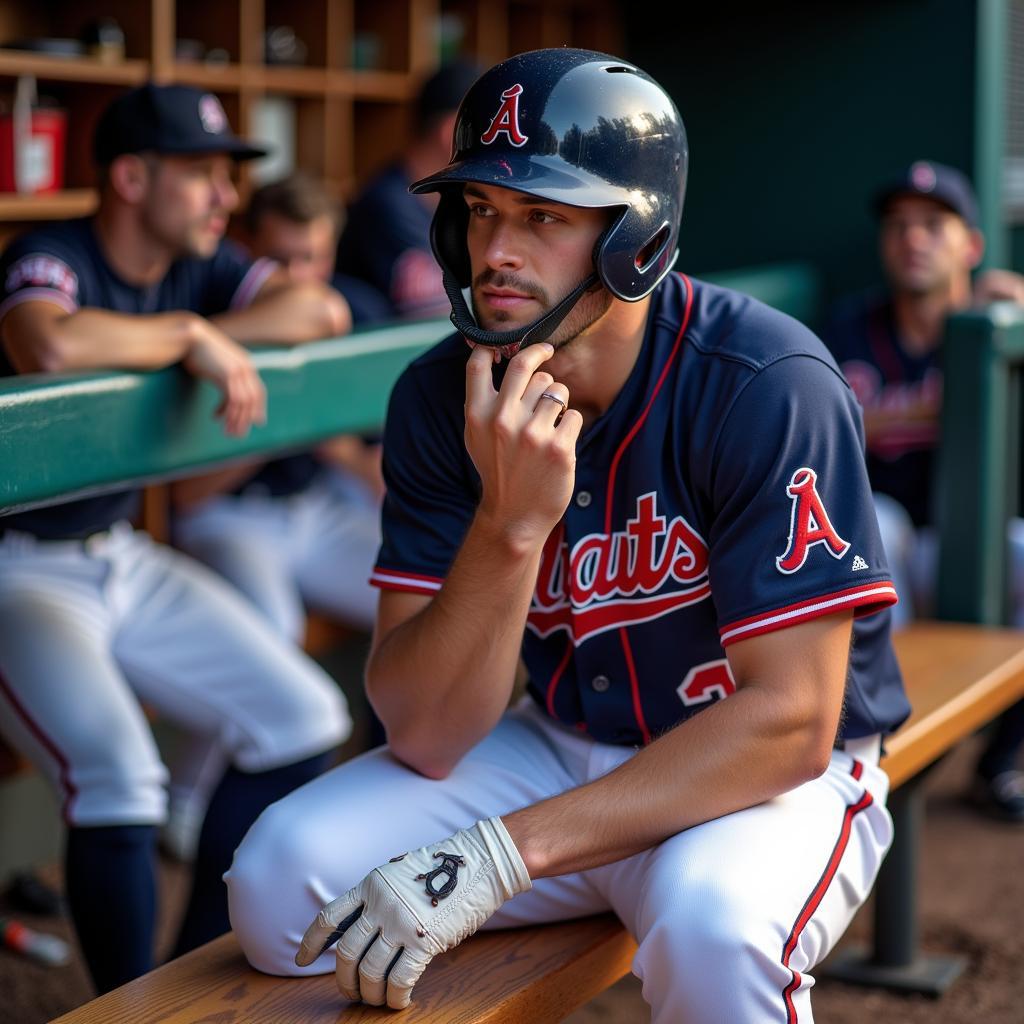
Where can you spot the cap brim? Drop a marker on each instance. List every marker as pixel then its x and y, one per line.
pixel 886 195
pixel 238 149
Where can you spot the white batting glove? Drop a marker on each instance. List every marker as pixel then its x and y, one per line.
pixel 402 914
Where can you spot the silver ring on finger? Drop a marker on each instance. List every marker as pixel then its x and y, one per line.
pixel 554 398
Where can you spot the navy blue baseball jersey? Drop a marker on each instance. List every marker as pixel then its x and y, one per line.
pixel 386 241
pixel 900 392
pixel 64 264
pixel 723 495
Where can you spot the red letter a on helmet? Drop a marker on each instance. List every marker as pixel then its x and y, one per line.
pixel 809 523
pixel 506 119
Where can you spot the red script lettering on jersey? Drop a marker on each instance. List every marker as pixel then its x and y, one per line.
pixel 608 581
pixel 809 523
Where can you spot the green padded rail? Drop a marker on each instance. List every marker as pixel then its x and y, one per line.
pixel 67 436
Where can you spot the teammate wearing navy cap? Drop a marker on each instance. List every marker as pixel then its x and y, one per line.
pixel 660 503
pixel 889 346
pixel 94 616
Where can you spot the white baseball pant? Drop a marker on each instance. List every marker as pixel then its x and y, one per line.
pixel 731 916
pixel 90 628
pixel 315 548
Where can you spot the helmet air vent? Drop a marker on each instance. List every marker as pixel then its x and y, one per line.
pixel 652 250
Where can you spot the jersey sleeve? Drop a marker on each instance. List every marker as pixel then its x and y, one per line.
pixel 432 491
pixel 231 279
pixel 794 534
pixel 37 268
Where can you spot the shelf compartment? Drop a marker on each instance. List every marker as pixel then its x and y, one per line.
pixel 289 80
pixel 210 76
pixel 375 85
pixel 72 69
pixel 72 202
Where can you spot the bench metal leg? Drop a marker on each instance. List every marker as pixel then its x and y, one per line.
pixel 895 962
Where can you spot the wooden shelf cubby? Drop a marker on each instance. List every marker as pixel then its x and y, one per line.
pixel 348 99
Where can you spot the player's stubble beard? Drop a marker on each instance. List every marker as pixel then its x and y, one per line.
pixel 590 308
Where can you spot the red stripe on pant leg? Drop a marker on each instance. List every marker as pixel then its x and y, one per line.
pixel 814 900
pixel 70 792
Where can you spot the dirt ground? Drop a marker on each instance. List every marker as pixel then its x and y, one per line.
pixel 972 900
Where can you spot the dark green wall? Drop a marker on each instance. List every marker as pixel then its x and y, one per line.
pixel 796 111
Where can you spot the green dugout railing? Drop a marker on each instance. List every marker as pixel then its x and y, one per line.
pixel 68 436
pixel 979 459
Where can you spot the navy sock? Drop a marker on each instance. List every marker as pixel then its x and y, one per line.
pixel 236 804
pixel 111 889
pixel 1001 754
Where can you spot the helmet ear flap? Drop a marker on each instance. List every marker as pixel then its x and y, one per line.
pixel 631 263
pixel 448 236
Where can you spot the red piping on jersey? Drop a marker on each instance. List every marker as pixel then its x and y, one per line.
pixel 550 698
pixel 812 608
pixel 647 408
pixel 70 791
pixel 417 584
pixel 814 900
pixel 627 440
pixel 634 686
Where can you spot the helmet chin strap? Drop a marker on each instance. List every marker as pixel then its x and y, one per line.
pixel 519 337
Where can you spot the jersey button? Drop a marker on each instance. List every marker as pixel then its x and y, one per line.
pixel 583 499
pixel 600 683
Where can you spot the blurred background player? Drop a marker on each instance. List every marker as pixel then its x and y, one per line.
pixel 386 240
pixel 294 222
pixel 96 617
pixel 889 346
pixel 299 531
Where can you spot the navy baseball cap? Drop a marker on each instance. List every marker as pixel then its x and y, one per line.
pixel 167 119
pixel 930 180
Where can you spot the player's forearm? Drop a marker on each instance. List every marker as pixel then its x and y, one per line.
pixel 441 680
pixel 736 754
pixel 288 315
pixel 98 339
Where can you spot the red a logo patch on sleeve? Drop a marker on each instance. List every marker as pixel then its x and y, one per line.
pixel 809 523
pixel 507 119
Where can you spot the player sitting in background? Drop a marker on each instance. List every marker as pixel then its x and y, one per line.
pixel 294 532
pixel 386 240
pixel 889 347
pixel 299 531
pixel 95 616
pixel 660 503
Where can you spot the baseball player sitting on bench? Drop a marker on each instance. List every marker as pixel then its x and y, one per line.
pixel 660 503
pixel 300 530
pixel 94 615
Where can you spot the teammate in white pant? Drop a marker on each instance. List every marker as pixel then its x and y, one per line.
pixel 660 504
pixel 94 616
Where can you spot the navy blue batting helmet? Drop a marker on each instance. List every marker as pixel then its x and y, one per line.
pixel 575 127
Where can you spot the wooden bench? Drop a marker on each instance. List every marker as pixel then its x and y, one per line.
pixel 958 677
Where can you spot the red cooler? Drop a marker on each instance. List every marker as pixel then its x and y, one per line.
pixel 41 155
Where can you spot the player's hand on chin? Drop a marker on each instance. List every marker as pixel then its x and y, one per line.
pixel 522 440
pixel 402 914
